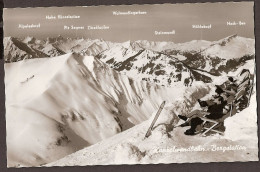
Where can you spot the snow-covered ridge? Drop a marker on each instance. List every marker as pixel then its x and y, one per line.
pixel 220 56
pixel 130 147
pixel 55 106
pixel 67 45
pixel 231 47
pixel 164 63
pixel 149 65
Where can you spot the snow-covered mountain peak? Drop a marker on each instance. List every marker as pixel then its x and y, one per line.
pixel 231 47
pixel 226 40
pixel 29 40
pixel 131 45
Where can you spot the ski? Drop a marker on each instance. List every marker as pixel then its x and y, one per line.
pixel 148 133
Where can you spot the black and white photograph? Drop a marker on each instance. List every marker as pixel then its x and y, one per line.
pixel 130 84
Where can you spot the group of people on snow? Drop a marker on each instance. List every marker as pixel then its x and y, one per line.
pixel 224 102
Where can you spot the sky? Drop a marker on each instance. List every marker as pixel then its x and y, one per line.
pixel 165 17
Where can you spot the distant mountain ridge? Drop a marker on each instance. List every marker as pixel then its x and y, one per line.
pixel 164 63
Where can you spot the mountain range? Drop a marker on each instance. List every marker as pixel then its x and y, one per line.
pixel 55 106
pixel 64 94
pixel 164 63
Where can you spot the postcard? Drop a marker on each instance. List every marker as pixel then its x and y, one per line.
pixel 130 84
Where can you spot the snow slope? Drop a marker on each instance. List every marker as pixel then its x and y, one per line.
pixel 55 106
pixel 224 55
pixel 231 47
pixel 170 145
pixel 193 46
